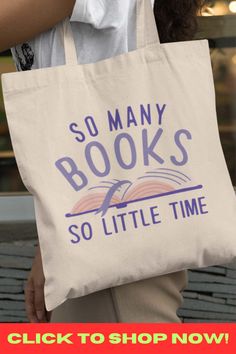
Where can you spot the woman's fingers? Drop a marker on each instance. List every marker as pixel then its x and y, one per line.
pixel 34 292
pixel 29 301
pixel 39 302
pixel 48 315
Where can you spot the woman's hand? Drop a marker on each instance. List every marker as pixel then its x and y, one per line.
pixel 34 292
pixel 22 20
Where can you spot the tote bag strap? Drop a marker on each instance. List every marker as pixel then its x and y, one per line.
pixel 146 31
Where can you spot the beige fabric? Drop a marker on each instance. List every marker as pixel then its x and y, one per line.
pixel 124 161
pixel 153 300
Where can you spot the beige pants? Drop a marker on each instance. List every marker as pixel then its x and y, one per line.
pixel 151 300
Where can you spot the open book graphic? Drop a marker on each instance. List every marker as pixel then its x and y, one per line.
pixel 119 193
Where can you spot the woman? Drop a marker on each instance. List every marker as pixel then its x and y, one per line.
pixel 101 29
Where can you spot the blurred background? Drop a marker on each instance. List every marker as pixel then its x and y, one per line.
pixel 211 293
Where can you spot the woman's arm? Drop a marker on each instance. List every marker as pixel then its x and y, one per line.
pixel 21 20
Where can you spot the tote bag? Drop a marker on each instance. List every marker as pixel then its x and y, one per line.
pixel 124 161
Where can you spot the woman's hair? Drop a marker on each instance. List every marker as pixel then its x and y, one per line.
pixel 177 19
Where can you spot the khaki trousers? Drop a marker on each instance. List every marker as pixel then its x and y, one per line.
pixel 151 300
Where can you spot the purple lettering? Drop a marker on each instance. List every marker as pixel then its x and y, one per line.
pixel 148 149
pixel 119 154
pixel 70 172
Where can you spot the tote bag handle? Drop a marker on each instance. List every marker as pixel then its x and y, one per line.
pixel 146 31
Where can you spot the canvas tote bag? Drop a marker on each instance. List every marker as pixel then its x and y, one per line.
pixel 124 162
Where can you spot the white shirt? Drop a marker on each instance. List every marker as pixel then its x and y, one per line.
pixel 101 29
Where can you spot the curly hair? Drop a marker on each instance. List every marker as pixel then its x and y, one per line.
pixel 177 19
